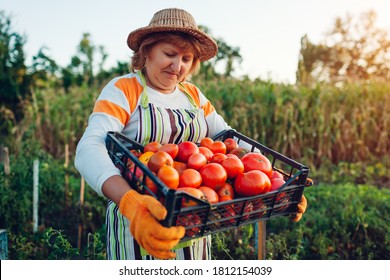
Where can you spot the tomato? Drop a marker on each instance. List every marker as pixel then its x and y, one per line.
pixel 213 175
pixel 230 144
pixel 206 142
pixel 252 183
pixel 171 149
pixel 210 194
pixel 214 146
pixel 229 213
pixel 169 176
pixel 152 147
pixel 207 152
pixel 180 166
pixel 233 166
pixel 218 158
pixel 248 211
pixel 191 222
pixel 151 185
pixel 239 152
pixel 190 178
pixel 186 149
pixel 276 183
pixel 197 161
pixel 226 190
pixel 159 159
pixel 145 157
pixel 186 201
pixel 276 174
pixel 257 161
pixel 225 198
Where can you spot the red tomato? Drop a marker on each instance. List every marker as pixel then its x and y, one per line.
pixel 187 202
pixel 225 198
pixel 218 158
pixel 257 161
pixel 210 194
pixel 226 190
pixel 233 166
pixel 230 144
pixel 169 176
pixel 207 152
pixel 240 152
pixel 276 183
pixel 159 159
pixel 276 174
pixel 171 149
pixel 190 178
pixel 197 161
pixel 213 175
pixel 191 222
pixel 252 183
pixel 186 149
pixel 152 147
pixel 248 211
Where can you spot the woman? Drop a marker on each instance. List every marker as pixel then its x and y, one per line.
pixel 153 103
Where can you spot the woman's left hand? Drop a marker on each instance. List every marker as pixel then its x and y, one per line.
pixel 301 209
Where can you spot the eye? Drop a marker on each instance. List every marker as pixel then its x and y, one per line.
pixel 169 54
pixel 187 59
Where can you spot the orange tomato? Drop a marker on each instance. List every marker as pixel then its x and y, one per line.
pixel 190 178
pixel 169 176
pixel 145 157
pixel 214 146
pixel 210 194
pixel 186 201
pixel 158 160
pixel 180 166
pixel 151 185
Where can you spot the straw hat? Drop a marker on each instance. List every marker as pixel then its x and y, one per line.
pixel 174 20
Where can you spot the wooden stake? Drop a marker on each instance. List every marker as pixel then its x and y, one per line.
pixel 35 195
pixel 261 245
pixel 66 174
pixel 5 152
pixel 81 219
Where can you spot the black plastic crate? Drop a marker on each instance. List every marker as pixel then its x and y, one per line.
pixel 205 218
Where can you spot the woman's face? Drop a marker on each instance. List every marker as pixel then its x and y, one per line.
pixel 167 65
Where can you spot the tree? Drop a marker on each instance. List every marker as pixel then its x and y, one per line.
pixel 353 50
pixel 14 80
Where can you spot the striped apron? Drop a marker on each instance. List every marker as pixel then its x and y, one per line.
pixel 165 126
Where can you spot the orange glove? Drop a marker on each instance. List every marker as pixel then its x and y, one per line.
pixel 144 212
pixel 301 209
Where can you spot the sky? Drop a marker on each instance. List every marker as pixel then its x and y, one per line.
pixel 268 32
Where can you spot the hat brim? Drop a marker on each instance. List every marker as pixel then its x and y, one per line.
pixel 208 46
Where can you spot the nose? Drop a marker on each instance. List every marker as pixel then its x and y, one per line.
pixel 177 64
